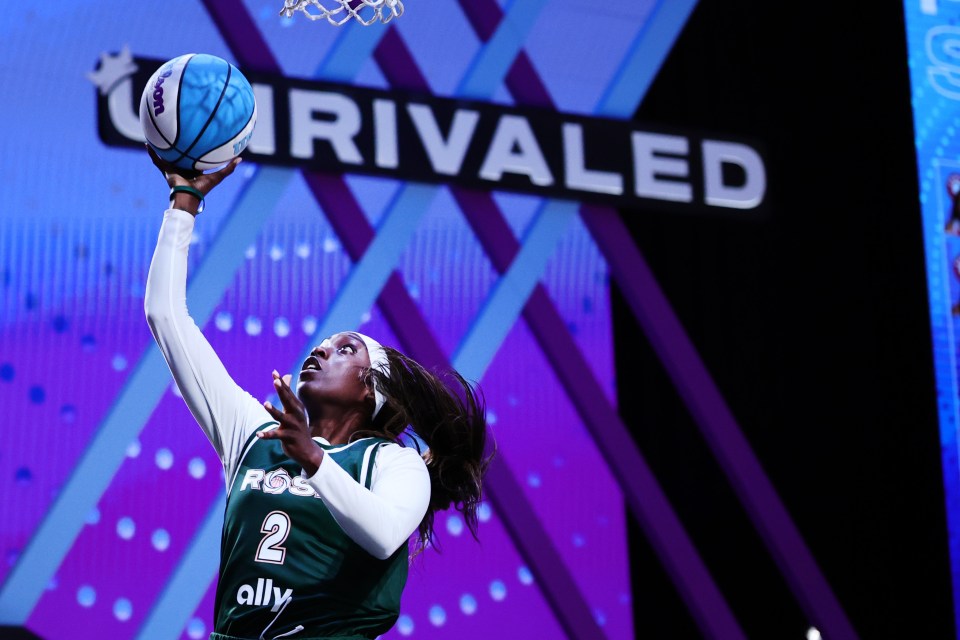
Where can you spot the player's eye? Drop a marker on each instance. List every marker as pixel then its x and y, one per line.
pixel 347 348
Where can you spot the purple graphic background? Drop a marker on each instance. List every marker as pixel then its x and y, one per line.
pixel 75 245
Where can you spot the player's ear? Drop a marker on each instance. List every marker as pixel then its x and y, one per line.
pixel 368 393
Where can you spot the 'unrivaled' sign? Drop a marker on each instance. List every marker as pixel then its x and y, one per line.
pixel 346 129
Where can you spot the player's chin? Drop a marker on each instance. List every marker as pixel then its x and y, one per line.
pixel 308 390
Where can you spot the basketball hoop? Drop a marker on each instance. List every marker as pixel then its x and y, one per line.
pixel 337 12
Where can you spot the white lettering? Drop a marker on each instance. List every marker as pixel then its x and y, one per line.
pixel 339 131
pixel 301 487
pixel 245 594
pixel 259 599
pixel 327 128
pixel 577 176
pixel 446 156
pixel 513 132
pixel 265 593
pixel 748 196
pixel 279 600
pixel 385 133
pixel 252 478
pixel 276 482
pixel 649 167
pixel 124 118
pixel 277 527
pixel 264 139
pixel 943 51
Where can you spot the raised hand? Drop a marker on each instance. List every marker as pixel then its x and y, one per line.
pixel 293 432
pixel 203 182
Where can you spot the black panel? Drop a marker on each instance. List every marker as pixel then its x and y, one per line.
pixel 812 321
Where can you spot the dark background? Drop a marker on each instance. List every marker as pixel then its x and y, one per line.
pixel 813 322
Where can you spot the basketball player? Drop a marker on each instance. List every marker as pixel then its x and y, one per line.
pixel 321 496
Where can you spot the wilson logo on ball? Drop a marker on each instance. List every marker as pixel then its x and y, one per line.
pixel 211 116
pixel 158 93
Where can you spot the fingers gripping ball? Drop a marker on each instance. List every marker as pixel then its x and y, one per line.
pixel 198 111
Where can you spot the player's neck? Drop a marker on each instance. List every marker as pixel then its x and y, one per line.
pixel 337 429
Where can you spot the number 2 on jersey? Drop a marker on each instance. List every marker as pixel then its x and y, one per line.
pixel 277 526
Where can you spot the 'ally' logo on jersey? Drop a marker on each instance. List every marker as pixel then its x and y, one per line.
pixel 276 481
pixel 264 594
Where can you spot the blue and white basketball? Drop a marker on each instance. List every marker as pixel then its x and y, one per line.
pixel 198 111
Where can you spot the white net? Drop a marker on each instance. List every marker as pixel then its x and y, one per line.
pixel 337 12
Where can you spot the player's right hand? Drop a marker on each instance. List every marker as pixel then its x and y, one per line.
pixel 204 182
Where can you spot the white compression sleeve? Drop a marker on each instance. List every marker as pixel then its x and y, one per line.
pixel 381 518
pixel 226 413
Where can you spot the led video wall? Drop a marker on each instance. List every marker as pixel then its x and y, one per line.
pixel 933 37
pixel 113 499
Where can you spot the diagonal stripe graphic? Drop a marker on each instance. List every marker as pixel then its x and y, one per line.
pixel 350 52
pixel 643 61
pixel 197 569
pixel 769 515
pixel 504 305
pixel 366 280
pixel 717 423
pixel 499 52
pixel 642 492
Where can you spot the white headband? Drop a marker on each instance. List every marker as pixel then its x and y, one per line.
pixel 378 361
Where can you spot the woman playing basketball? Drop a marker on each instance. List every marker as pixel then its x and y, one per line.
pixel 321 496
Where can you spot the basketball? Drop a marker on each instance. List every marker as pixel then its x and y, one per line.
pixel 198 111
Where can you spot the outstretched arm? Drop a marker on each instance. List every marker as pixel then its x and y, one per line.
pixel 226 413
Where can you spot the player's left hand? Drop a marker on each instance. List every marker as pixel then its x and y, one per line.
pixel 294 431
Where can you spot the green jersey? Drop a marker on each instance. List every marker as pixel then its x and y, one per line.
pixel 287 566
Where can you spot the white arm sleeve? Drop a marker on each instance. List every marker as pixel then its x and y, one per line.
pixel 381 518
pixel 226 413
